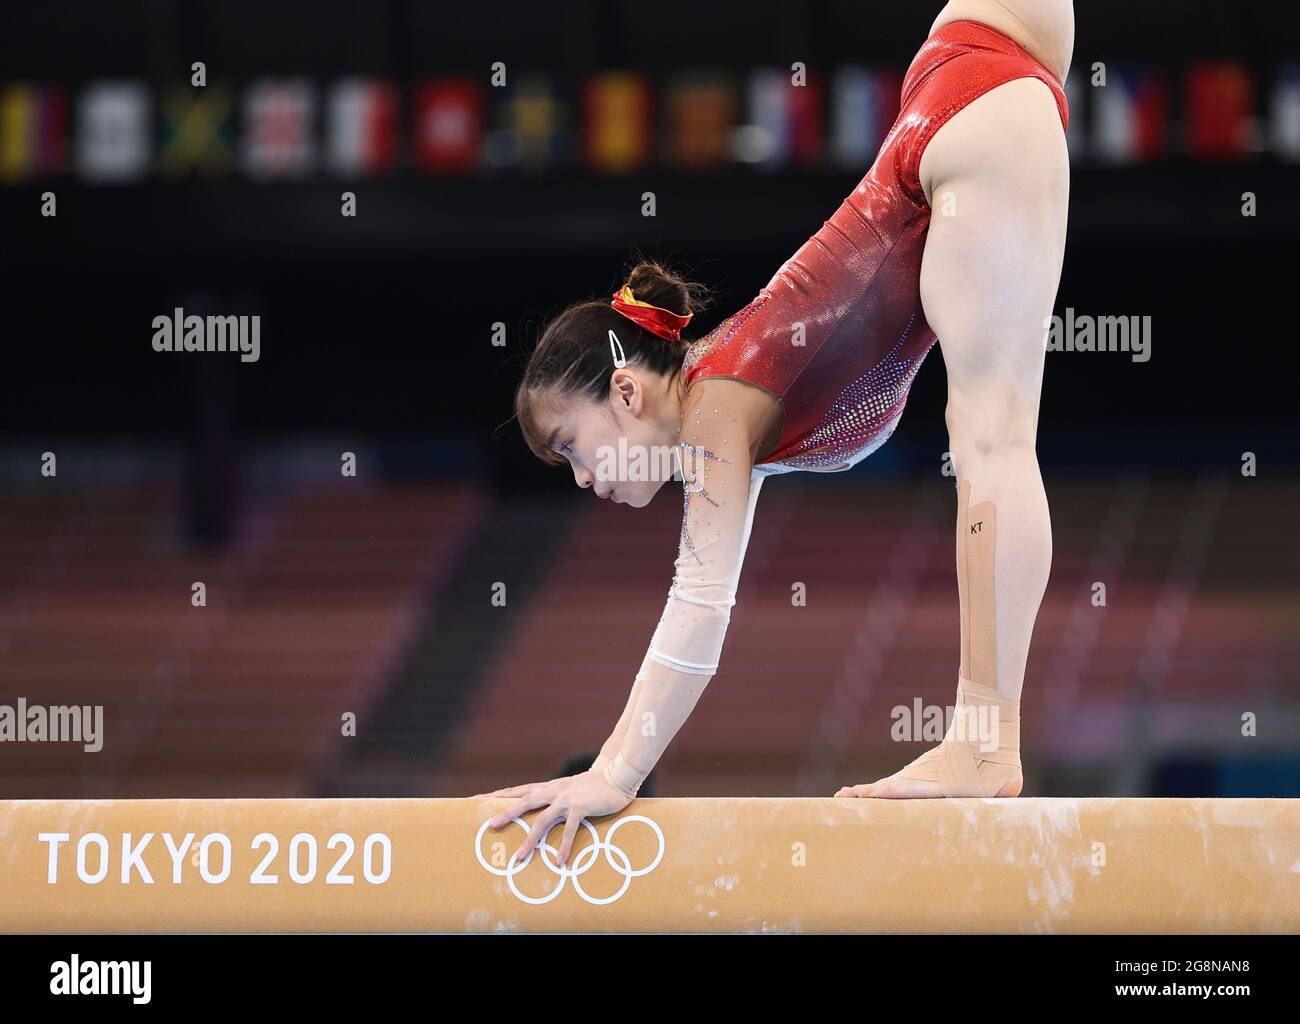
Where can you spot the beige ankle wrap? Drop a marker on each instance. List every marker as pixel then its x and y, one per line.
pixel 980 752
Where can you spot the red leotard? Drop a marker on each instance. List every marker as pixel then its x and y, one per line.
pixel 855 285
pixel 855 289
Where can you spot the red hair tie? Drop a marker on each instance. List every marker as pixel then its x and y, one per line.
pixel 655 319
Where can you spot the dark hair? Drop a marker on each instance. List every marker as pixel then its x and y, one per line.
pixel 572 357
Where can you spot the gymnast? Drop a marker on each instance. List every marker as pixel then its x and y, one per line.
pixel 955 234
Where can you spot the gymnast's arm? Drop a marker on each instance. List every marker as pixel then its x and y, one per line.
pixel 611 746
pixel 720 492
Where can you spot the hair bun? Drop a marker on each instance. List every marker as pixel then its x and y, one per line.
pixel 654 283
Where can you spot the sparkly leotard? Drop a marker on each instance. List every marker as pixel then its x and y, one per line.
pixel 837 335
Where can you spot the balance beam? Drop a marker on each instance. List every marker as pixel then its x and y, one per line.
pixel 663 865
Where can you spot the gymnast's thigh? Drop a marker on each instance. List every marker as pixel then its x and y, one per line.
pixel 997 176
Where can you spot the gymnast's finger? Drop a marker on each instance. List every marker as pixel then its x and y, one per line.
pixel 508 791
pixel 571 826
pixel 534 798
pixel 541 825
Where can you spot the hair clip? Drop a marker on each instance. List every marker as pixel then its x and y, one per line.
pixel 616 350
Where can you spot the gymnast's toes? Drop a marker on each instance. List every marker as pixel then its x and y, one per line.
pixel 893 788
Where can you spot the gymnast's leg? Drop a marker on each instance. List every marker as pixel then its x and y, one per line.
pixel 997 178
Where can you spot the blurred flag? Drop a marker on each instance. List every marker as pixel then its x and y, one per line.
pixel 448 125
pixel 533 126
pixel 617 122
pixel 197 131
pixel 1220 110
pixel 864 106
pixel 700 111
pixel 1284 113
pixel 33 131
pixel 1130 116
pixel 785 120
pixel 362 133
pixel 114 140
pixel 279 119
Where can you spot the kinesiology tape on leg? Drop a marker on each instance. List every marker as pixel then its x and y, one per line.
pixel 980 752
pixel 976 541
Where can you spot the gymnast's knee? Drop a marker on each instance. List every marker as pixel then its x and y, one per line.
pixel 995 429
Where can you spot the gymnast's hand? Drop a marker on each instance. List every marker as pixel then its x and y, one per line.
pixel 570 799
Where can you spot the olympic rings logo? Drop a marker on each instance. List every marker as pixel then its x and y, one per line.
pixel 580 864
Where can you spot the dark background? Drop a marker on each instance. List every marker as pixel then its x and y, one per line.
pixel 375 338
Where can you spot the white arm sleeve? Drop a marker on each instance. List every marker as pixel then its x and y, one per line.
pixel 684 650
pixel 720 491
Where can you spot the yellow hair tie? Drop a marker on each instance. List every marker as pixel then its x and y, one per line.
pixel 656 319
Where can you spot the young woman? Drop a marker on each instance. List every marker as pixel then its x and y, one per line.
pixel 955 234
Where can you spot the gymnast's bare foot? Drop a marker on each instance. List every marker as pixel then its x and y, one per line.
pixel 895 787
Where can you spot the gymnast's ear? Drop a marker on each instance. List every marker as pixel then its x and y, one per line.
pixel 625 390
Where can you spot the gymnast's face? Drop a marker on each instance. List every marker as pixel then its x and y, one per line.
pixel 621 447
